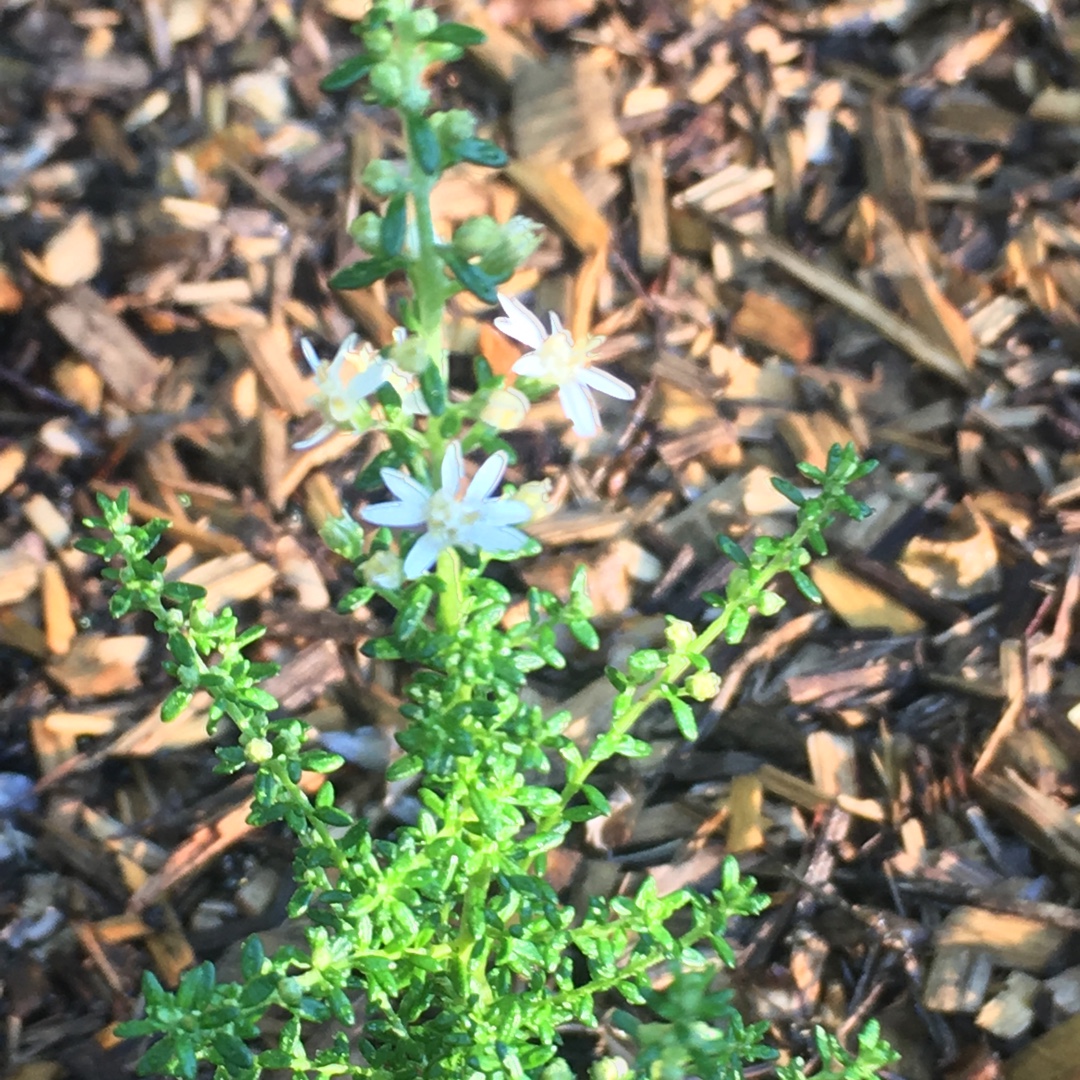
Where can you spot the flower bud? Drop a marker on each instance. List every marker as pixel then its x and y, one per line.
pixel 386 82
pixel 366 231
pixel 384 178
pixel 424 21
pixel 384 570
pixel 536 495
pixel 703 685
pixel 454 125
pixel 505 409
pixel 518 239
pixel 415 98
pixel 680 635
pixel 379 42
pixel 612 1068
pixel 259 751
pixel 477 235
pixel 408 353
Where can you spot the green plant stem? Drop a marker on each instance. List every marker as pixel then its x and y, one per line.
pixel 426 271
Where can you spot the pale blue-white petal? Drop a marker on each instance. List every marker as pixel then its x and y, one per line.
pixel 422 555
pixel 396 515
pixel 404 487
pixel 580 409
pixel 531 366
pixel 310 355
pixel 497 538
pixel 453 469
pixel 319 436
pixel 346 347
pixel 505 512
pixel 556 323
pixel 365 383
pixel 520 323
pixel 606 383
pixel 487 477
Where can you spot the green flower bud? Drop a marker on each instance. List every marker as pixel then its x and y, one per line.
pixel 415 98
pixel 424 21
pixel 519 238
pixel 680 635
pixel 703 685
pixel 408 353
pixel 477 235
pixel 384 178
pixel 611 1068
pixel 454 125
pixel 259 751
pixel 366 231
pixel 379 42
pixel 386 82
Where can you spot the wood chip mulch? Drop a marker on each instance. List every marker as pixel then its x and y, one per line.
pixel 797 224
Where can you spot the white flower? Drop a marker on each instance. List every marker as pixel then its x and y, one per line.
pixel 355 373
pixel 344 384
pixel 555 357
pixel 471 520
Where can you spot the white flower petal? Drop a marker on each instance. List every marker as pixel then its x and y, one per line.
pixel 310 355
pixel 323 433
pixel 606 383
pixel 453 469
pixel 520 323
pixel 365 383
pixel 556 323
pixel 395 515
pixel 497 538
pixel 580 408
pixel 347 346
pixel 505 512
pixel 422 555
pixel 487 477
pixel 404 487
pixel 531 365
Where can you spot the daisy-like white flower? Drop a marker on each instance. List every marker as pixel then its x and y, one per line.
pixel 451 518
pixel 556 358
pixel 344 383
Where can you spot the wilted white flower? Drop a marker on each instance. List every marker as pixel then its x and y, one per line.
pixel 355 373
pixel 384 570
pixel 451 519
pixel 556 358
pixel 345 383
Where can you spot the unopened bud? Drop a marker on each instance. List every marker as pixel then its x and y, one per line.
pixel 477 236
pixel 536 495
pixel 386 82
pixel 259 751
pixel 408 353
pixel 366 231
pixel 703 685
pixel 680 635
pixel 506 409
pixel 384 178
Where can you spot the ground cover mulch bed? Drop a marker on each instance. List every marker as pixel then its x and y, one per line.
pixel 796 224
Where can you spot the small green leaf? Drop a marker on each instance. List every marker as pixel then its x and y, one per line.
pixel 362 274
pixel 789 491
pixel 252 958
pixel 404 767
pixel 392 229
pixel 471 277
pixel 411 616
pixel 481 152
pixel 806 586
pixel 733 551
pixel 684 717
pixel 433 387
pixel 737 626
pixel 321 761
pixel 347 73
pixel 175 704
pixel 424 143
pixel 453 33
pixel 183 592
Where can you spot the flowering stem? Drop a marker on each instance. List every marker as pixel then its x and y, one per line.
pixel 426 271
